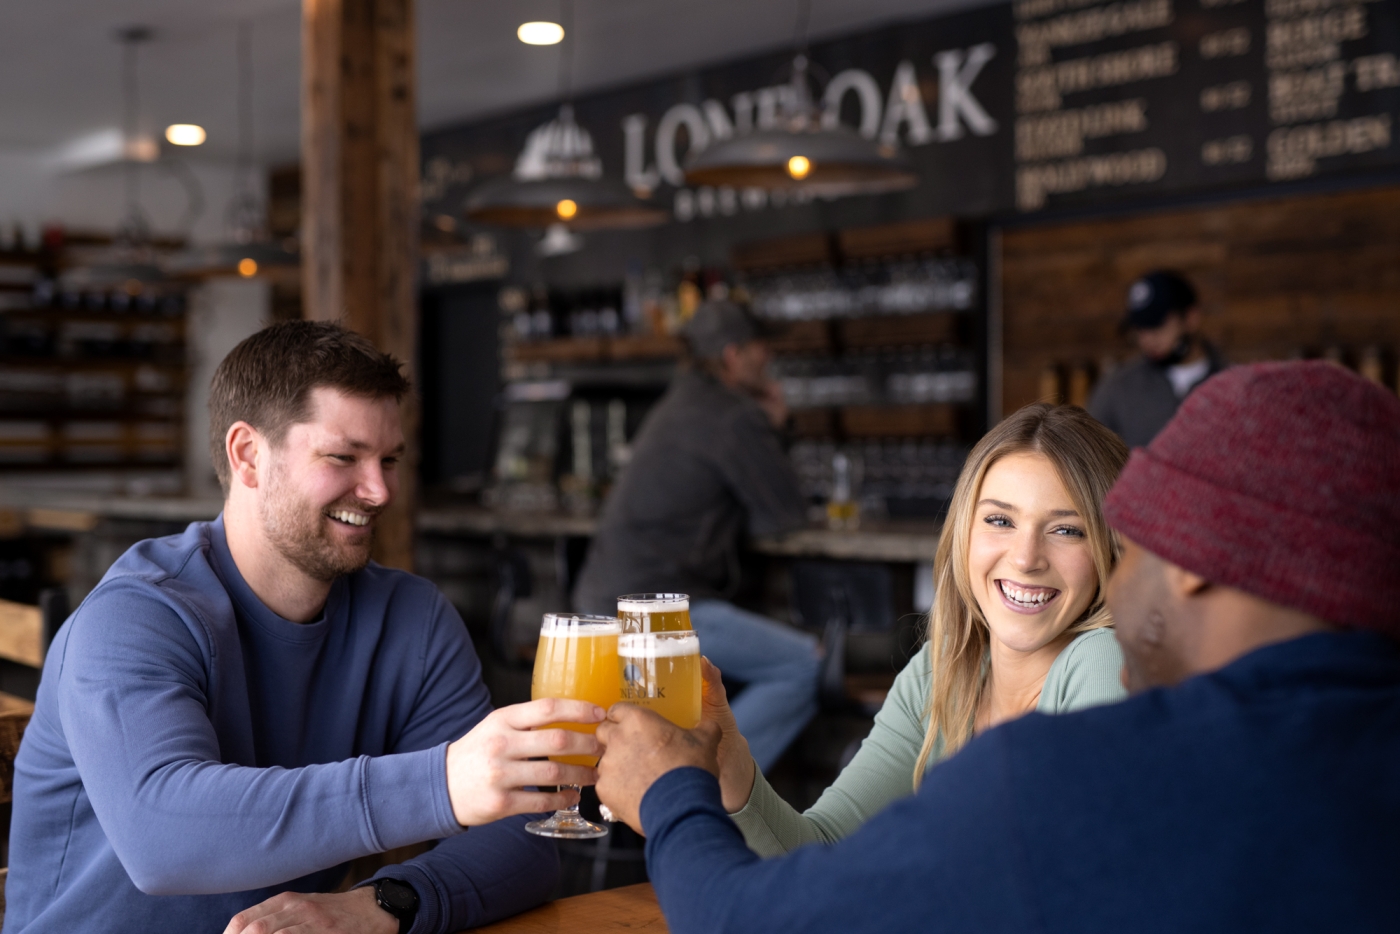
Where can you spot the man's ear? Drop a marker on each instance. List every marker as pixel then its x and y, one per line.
pixel 1192 319
pixel 243 447
pixel 1183 583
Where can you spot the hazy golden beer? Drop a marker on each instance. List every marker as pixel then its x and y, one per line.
pixel 661 671
pixel 654 612
pixel 577 660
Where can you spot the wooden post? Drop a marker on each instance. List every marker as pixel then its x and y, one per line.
pixel 360 198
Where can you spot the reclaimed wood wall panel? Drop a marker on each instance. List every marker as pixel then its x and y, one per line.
pixel 1301 276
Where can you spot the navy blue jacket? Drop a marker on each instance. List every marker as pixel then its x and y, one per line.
pixel 1263 797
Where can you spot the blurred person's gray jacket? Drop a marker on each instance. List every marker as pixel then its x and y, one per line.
pixel 1137 400
pixel 707 466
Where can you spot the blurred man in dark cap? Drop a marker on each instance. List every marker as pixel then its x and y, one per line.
pixel 707 468
pixel 1253 782
pixel 1137 399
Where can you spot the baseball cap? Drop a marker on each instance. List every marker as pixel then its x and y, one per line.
pixel 1154 296
pixel 717 324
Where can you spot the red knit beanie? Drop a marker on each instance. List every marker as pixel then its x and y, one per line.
pixel 1281 480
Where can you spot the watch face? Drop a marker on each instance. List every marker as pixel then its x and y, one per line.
pixel 396 897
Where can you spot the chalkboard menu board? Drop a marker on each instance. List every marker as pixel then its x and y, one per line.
pixel 1010 110
pixel 1193 94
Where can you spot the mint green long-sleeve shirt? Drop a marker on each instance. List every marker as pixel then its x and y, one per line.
pixel 1085 674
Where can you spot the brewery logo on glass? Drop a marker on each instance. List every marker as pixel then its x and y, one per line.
pixel 635 685
pixel 661 671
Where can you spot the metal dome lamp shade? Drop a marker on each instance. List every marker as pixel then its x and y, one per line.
pixel 807 150
pixel 557 178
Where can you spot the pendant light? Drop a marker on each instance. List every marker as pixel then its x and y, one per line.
pixel 248 250
pixel 558 179
pixel 803 152
pixel 130 264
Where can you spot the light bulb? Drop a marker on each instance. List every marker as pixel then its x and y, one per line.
pixel 185 134
pixel 247 267
pixel 799 167
pixel 566 209
pixel 540 33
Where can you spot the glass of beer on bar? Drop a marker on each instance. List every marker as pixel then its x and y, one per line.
pixel 654 612
pixel 661 672
pixel 576 660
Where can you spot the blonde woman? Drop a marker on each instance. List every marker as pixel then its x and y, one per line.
pixel 1018 624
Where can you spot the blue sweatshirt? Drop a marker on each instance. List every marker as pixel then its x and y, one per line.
pixel 1263 797
pixel 192 753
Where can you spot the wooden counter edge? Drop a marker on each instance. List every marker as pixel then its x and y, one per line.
pixel 631 908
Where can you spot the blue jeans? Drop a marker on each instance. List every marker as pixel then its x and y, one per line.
pixel 778 664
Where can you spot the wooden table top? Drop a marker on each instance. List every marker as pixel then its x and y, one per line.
pixel 630 908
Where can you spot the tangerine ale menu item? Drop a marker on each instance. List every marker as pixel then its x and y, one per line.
pixel 654 612
pixel 577 660
pixel 661 671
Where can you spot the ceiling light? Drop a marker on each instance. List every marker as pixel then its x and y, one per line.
pixel 559 178
pixel 540 33
pixel 802 151
pixel 185 134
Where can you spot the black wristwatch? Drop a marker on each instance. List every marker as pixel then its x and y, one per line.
pixel 399 899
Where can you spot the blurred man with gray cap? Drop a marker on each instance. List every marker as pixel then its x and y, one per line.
pixel 707 468
pixel 1140 397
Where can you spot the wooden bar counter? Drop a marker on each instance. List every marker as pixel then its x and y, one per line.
pixel 631 908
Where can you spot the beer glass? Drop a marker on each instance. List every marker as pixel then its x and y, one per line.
pixel 654 612
pixel 576 660
pixel 661 671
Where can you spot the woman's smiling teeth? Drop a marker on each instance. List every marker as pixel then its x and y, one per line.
pixel 1029 597
pixel 348 517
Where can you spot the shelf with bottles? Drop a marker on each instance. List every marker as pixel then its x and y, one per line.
pixel 902 286
pixel 1073 381
pixel 891 375
pixel 880 477
pixel 91 441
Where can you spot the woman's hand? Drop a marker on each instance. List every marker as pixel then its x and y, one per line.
pixel 736 765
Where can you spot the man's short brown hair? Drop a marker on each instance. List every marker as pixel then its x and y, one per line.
pixel 267 380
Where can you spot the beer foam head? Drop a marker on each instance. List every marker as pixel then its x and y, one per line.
pixel 654 603
pixel 657 644
pixel 562 625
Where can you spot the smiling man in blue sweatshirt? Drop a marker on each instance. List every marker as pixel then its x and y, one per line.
pixel 236 712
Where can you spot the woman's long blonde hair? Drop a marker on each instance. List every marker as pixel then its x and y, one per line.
pixel 1087 457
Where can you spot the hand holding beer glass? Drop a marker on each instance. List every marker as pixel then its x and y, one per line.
pixel 577 660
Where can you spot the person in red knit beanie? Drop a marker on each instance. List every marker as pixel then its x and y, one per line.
pixel 1267 508
pixel 1252 781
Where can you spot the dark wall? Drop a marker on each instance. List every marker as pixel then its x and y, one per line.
pixel 460 377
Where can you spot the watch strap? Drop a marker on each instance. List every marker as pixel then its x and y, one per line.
pixel 399 899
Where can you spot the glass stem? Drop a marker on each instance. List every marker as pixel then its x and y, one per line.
pixel 572 810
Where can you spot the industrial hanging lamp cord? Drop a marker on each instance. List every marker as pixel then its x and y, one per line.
pixel 798 153
pixel 567 188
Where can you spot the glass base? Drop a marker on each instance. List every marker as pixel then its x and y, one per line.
pixel 567 825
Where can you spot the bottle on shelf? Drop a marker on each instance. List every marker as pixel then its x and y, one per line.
pixel 1049 385
pixel 1080 384
pixel 1371 366
pixel 842 511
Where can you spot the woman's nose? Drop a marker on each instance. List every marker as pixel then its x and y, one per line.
pixel 1027 551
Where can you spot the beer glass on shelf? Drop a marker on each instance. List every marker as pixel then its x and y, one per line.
pixel 661 672
pixel 654 612
pixel 576 660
